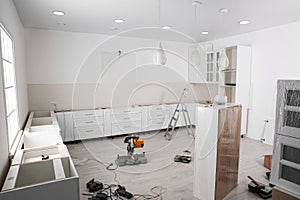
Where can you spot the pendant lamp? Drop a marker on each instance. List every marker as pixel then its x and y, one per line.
pixel 223 61
pixel 159 56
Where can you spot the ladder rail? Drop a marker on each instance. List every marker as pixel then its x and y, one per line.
pixel 180 107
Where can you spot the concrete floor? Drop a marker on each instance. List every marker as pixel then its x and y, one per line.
pixel 176 179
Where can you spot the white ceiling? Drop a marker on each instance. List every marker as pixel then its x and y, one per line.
pixel 96 16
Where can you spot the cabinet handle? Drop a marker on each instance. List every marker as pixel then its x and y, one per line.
pixel 88 131
pixel 126 118
pixel 127 126
pixel 89 122
pixel 126 111
pixel 88 114
pixel 159 115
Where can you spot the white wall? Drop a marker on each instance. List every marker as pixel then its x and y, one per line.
pixel 275 55
pixel 10 19
pixel 64 67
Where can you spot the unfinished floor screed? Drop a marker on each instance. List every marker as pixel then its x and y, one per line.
pixel 175 178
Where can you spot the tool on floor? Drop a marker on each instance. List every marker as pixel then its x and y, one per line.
pixel 131 158
pixel 121 191
pixel 94 186
pixel 184 158
pixel 262 190
pixel 180 108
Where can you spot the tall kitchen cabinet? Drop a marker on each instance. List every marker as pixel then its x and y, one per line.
pixel 235 80
pixel 217 144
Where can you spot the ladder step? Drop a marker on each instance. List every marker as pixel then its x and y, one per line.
pixel 174 118
pixel 177 110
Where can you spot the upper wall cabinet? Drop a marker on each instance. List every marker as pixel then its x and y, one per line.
pixel 202 65
pixel 197 64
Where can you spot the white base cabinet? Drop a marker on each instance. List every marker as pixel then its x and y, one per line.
pixel 88 124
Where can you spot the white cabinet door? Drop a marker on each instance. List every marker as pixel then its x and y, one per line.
pixel 107 122
pixel 65 121
pixel 157 117
pixel 197 64
pixel 82 133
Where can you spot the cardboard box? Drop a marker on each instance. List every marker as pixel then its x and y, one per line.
pixel 267 161
pixel 278 194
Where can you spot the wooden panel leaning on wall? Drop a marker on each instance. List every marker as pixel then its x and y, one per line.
pixel 229 127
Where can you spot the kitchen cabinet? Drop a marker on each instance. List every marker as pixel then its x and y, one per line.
pixel 65 121
pixel 88 124
pixel 44 167
pixel 235 80
pixel 216 160
pixel 197 64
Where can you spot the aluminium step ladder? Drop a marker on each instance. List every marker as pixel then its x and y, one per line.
pixel 180 108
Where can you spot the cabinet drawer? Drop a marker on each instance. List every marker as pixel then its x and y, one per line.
pixel 158 108
pixel 87 122
pixel 125 110
pixel 119 129
pixel 88 132
pixel 126 117
pixel 157 124
pixel 87 113
pixel 158 115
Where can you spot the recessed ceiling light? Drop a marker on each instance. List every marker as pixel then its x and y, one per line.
pixel 119 21
pixel 204 32
pixel 113 28
pixel 61 23
pixel 224 10
pixel 58 13
pixel 196 3
pixel 244 22
pixel 166 27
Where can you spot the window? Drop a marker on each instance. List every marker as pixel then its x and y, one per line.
pixel 9 84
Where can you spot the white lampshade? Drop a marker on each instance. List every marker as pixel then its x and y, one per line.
pixel 159 56
pixel 223 61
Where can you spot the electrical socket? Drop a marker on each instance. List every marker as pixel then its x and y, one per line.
pixel 53 103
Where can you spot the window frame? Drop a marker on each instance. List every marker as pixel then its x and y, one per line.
pixel 12 143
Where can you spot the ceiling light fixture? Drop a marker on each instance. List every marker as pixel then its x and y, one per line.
pixel 61 23
pixel 204 32
pixel 224 10
pixel 58 13
pixel 119 21
pixel 244 22
pixel 196 3
pixel 159 56
pixel 166 27
pixel 223 61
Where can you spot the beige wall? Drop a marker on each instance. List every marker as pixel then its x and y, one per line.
pixel 69 96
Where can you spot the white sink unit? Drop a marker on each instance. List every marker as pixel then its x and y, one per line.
pixel 50 179
pixel 43 169
pixel 35 154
